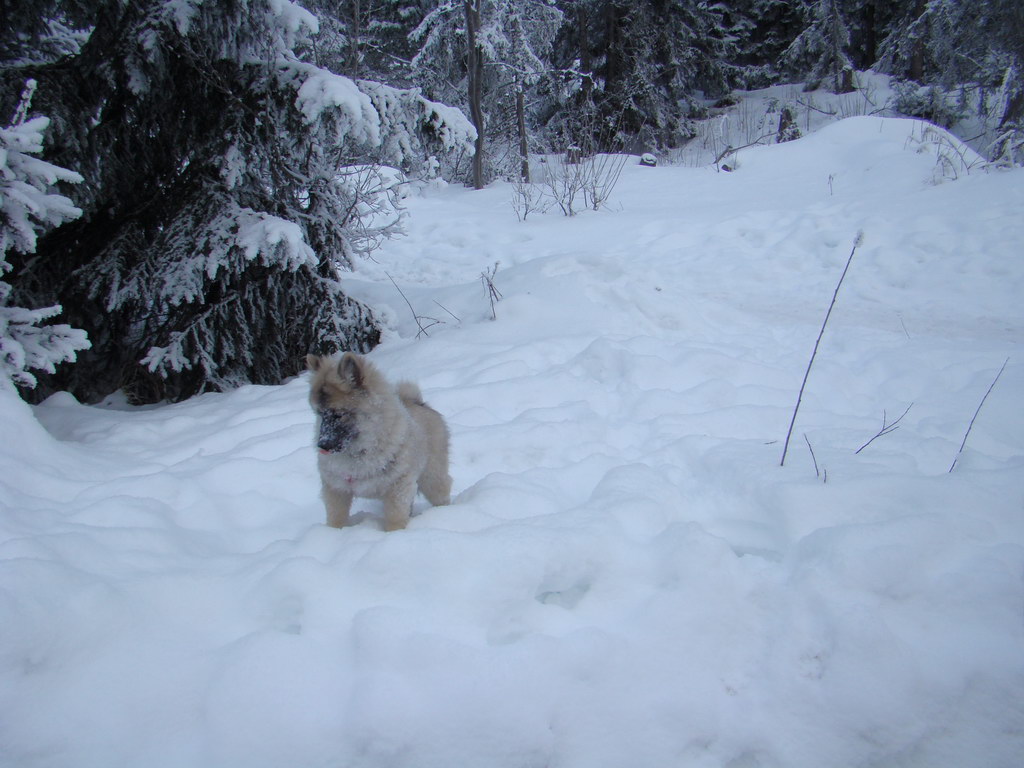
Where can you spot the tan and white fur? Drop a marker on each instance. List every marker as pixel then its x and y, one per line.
pixel 375 440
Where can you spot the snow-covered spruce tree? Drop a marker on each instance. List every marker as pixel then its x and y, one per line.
pixel 951 43
pixel 216 212
pixel 517 42
pixel 42 31
pixel 363 38
pixel 980 43
pixel 973 50
pixel 821 50
pixel 28 205
pixel 648 60
pixel 903 49
pixel 487 55
pixel 761 30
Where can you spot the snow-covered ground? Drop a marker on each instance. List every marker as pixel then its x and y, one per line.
pixel 626 576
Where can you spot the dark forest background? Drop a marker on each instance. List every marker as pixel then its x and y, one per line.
pixel 183 180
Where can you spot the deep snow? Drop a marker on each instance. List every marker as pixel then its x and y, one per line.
pixel 626 577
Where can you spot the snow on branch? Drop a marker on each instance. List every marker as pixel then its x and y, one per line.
pixel 322 90
pixel 273 239
pixel 234 236
pixel 292 20
pixel 28 207
pixel 24 344
pixel 405 115
pixel 449 124
pixel 394 120
pixel 27 203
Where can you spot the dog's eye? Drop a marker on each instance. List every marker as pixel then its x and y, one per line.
pixel 338 414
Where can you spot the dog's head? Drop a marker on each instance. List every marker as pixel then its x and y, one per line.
pixel 338 394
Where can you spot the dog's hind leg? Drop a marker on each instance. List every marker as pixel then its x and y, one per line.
pixel 398 505
pixel 436 485
pixel 338 504
pixel 434 482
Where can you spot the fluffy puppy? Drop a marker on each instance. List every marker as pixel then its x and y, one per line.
pixel 375 440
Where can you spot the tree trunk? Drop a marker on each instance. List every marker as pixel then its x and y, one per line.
pixel 586 66
pixel 475 71
pixel 524 149
pixel 917 56
pixel 354 34
pixel 613 64
pixel 870 26
pixel 836 54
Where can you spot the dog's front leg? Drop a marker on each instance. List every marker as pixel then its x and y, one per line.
pixel 398 505
pixel 338 504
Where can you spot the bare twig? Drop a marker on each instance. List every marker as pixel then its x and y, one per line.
pixel 886 428
pixel 527 198
pixel 904 325
pixel 976 412
pixel 604 175
pixel 856 244
pixel 417 318
pixel 813 457
pixel 722 155
pixel 730 150
pixel 487 278
pixel 831 113
pixel 442 306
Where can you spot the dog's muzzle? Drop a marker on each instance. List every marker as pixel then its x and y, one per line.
pixel 337 430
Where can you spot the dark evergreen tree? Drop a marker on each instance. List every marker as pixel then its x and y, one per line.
pixel 761 30
pixel 363 38
pixel 821 51
pixel 982 43
pixel 907 43
pixel 215 210
pixel 229 172
pixel 42 31
pixel 948 45
pixel 649 61
pixel 868 21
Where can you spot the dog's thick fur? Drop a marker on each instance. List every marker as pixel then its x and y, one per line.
pixel 375 440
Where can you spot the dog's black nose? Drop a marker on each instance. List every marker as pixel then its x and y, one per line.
pixel 337 429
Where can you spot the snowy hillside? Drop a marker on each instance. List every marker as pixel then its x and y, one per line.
pixel 626 576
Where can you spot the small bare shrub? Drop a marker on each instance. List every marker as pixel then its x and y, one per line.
pixel 493 294
pixel 529 198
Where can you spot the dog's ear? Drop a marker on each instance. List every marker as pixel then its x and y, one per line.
pixel 350 368
pixel 313 362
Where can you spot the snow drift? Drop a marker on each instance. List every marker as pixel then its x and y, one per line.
pixel 626 576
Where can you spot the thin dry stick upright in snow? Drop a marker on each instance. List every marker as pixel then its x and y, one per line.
pixel 976 412
pixel 817 472
pixel 856 244
pixel 487 278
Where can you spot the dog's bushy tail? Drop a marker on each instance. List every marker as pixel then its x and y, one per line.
pixel 410 393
